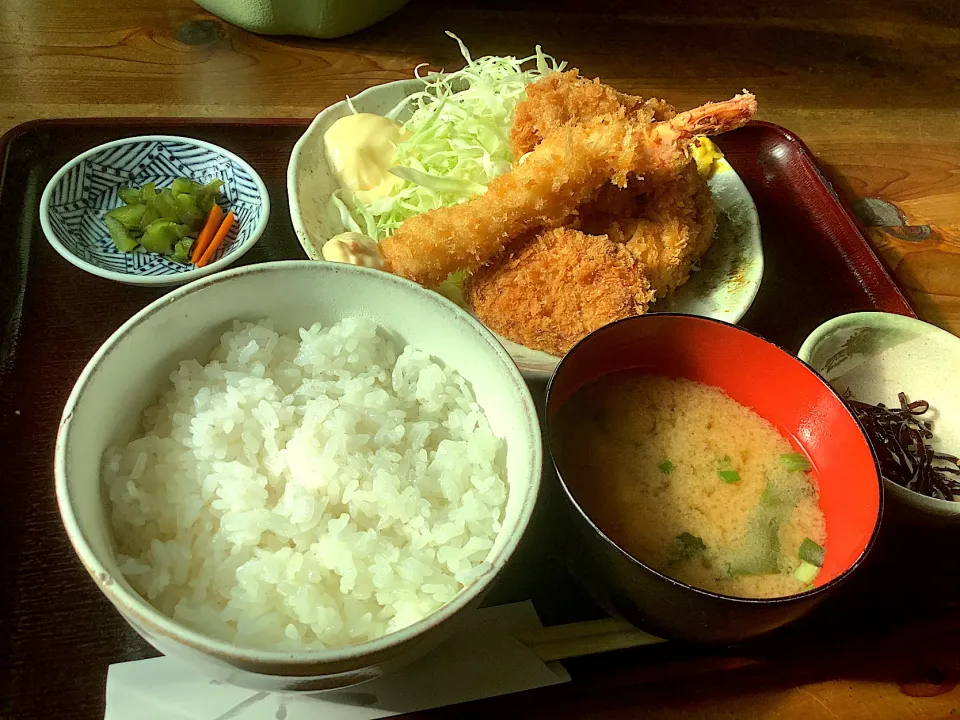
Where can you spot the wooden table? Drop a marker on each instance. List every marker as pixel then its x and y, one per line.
pixel 871 87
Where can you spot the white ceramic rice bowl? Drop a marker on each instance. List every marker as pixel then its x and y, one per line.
pixel 724 288
pixel 129 370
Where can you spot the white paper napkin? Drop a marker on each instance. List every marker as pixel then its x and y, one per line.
pixel 484 660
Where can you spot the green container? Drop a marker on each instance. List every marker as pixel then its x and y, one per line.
pixel 312 18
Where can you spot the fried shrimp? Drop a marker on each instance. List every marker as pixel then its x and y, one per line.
pixel 563 98
pixel 557 287
pixel 568 167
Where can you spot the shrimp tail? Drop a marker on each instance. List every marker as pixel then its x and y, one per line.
pixel 711 118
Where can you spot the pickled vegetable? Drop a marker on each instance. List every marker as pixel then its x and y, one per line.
pixel 131 196
pixel 184 185
pixel 165 220
pixel 166 205
pixel 181 251
pixel 160 237
pixel 208 194
pixel 217 241
pixel 121 237
pixel 128 215
pixel 188 211
pixel 148 194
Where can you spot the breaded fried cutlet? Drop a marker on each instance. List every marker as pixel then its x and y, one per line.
pixel 560 99
pixel 669 228
pixel 556 287
pixel 676 229
pixel 566 169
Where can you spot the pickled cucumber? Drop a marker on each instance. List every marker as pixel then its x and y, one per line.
pixel 150 215
pixel 208 194
pixel 121 237
pixel 128 215
pixel 166 205
pixel 160 237
pixel 184 185
pixel 165 220
pixel 181 251
pixel 188 211
pixel 131 196
pixel 148 193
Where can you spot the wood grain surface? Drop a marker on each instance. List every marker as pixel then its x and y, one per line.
pixel 871 87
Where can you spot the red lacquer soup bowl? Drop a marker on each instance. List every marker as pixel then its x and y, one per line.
pixel 781 389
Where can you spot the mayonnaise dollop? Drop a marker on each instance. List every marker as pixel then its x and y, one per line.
pixel 360 150
pixel 353 248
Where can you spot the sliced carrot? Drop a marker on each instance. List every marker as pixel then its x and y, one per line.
pixel 206 235
pixel 217 240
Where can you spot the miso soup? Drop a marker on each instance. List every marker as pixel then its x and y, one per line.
pixel 693 484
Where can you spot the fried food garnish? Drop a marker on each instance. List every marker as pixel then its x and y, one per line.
pixel 559 99
pixel 568 167
pixel 669 227
pixel 557 287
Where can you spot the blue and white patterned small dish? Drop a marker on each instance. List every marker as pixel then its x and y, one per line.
pixel 75 200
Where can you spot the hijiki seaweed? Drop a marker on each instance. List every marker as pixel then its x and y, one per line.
pixel 898 437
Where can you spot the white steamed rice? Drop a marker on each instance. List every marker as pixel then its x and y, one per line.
pixel 307 490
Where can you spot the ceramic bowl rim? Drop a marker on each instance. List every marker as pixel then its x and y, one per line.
pixel 131 602
pixel 708 594
pixel 154 280
pixel 865 319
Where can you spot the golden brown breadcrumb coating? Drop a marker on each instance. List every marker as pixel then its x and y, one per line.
pixel 556 287
pixel 559 99
pixel 568 167
pixel 669 227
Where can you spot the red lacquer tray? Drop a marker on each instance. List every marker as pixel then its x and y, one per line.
pixel 60 633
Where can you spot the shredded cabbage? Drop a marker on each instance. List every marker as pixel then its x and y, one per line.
pixel 457 139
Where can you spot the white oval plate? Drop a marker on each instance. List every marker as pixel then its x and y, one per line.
pixel 723 289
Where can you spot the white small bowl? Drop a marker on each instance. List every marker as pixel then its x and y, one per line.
pixel 74 202
pixel 724 289
pixel 129 370
pixel 879 355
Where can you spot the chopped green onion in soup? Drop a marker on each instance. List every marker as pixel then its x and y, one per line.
pixel 811 552
pixel 795 462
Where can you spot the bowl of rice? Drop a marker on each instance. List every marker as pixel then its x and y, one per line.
pixel 298 475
